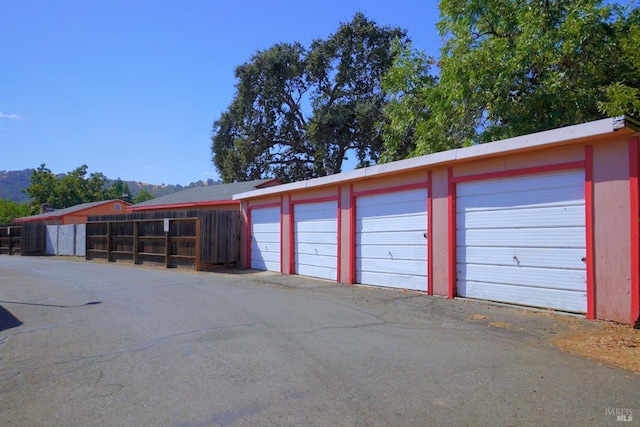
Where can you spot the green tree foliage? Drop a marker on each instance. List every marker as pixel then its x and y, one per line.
pixel 71 189
pixel 75 188
pixel 408 83
pixel 43 187
pixel 267 131
pixel 512 67
pixel 10 210
pixel 623 95
pixel 143 196
pixel 119 190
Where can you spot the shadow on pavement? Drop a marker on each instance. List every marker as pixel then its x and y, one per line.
pixel 8 320
pixel 53 305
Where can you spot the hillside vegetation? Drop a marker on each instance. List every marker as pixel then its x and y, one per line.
pixel 13 184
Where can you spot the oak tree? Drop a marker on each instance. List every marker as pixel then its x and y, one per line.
pixel 513 67
pixel 10 210
pixel 67 190
pixel 299 112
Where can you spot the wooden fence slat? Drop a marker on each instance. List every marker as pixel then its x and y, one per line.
pixel 206 237
pixel 28 238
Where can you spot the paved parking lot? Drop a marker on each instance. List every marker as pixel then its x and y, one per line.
pixel 86 343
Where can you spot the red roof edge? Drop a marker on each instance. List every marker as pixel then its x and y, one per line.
pixel 28 219
pixel 184 205
pixel 73 213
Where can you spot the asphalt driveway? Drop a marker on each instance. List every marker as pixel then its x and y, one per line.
pixel 85 343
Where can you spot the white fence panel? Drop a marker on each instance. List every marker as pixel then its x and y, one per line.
pixel 81 240
pixel 52 240
pixel 67 240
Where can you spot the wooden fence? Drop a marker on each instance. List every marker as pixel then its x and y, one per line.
pixel 11 239
pixel 28 238
pixel 200 238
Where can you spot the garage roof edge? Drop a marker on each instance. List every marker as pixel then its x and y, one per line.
pixel 549 137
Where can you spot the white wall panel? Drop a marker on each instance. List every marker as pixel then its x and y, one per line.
pixel 572 280
pixel 523 240
pixel 564 237
pixel 52 240
pixel 81 240
pixel 321 249
pixel 405 238
pixel 537 297
pixel 523 257
pixel 316 239
pixel 556 216
pixel 391 248
pixel 265 238
pixel 66 239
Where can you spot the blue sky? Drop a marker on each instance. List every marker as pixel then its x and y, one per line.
pixel 131 88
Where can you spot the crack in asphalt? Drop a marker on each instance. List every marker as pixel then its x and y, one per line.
pixel 324 328
pixel 91 359
pixel 44 328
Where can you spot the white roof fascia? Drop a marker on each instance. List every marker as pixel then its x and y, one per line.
pixel 300 185
pixel 549 137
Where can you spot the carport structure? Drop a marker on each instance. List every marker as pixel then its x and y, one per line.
pixel 543 220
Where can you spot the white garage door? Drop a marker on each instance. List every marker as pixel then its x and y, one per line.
pixel 391 239
pixel 316 239
pixel 265 238
pixel 522 240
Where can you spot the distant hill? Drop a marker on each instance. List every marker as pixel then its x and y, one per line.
pixel 12 184
pixel 162 189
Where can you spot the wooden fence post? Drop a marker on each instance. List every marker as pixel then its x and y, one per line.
pixel 109 242
pixel 198 255
pixel 88 226
pixel 166 246
pixel 135 242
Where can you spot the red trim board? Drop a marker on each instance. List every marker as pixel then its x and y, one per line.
pixel 184 205
pixel 429 237
pixel 588 205
pixel 249 238
pixel 281 233
pixel 452 233
pixel 292 203
pixel 520 172
pixel 587 164
pixel 391 189
pixel 339 234
pixel 352 217
pixel 352 237
pixel 634 170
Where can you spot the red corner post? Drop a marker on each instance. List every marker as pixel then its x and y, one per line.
pixel 452 234
pixel 634 153
pixel 588 189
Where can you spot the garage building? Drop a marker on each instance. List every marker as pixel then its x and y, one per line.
pixel 545 220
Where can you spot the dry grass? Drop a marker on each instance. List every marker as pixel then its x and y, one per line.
pixel 612 343
pixel 500 325
pixel 608 342
pixel 476 317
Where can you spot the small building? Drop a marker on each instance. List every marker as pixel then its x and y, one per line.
pixel 547 220
pixel 66 228
pixel 78 214
pixel 198 227
pixel 217 196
